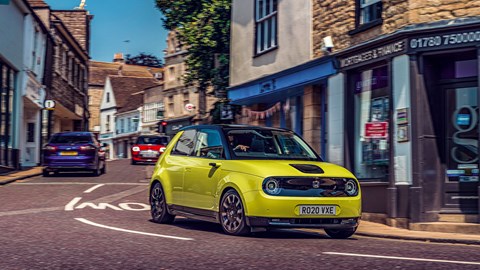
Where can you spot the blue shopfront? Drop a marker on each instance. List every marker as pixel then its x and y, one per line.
pixel 293 98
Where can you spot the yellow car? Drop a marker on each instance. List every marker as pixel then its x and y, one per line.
pixel 250 178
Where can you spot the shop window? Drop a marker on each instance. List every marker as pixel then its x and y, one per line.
pixel 372 119
pixel 265 25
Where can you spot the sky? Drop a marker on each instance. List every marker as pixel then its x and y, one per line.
pixel 117 21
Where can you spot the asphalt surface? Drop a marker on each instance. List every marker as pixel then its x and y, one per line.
pixel 77 221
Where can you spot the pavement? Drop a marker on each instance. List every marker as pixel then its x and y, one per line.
pixel 458 233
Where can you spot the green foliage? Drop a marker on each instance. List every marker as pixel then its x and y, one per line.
pixel 144 59
pixel 204 26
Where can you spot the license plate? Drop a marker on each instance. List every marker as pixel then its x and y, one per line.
pixel 317 210
pixel 149 155
pixel 68 153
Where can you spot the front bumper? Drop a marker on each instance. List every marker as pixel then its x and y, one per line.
pixel 324 223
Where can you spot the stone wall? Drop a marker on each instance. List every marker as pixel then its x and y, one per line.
pixel 94 101
pixel 336 18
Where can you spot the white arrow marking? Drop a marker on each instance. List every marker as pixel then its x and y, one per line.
pixel 130 231
pixel 71 204
pixel 400 258
pixel 93 188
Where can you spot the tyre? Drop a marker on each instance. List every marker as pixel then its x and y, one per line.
pixel 158 206
pixel 97 171
pixel 232 214
pixel 340 233
pixel 45 173
pixel 133 162
pixel 104 168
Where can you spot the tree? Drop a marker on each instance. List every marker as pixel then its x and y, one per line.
pixel 204 27
pixel 144 59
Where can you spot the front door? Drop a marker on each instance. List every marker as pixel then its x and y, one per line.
pixel 31 145
pixel 461 149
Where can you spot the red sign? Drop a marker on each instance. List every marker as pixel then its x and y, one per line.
pixel 376 130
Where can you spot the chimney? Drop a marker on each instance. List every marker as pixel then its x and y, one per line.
pixel 118 58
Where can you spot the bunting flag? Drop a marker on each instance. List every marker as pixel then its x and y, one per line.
pixel 260 115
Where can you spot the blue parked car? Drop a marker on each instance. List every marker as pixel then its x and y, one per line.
pixel 74 151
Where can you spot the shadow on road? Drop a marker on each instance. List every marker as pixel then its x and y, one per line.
pixel 196 225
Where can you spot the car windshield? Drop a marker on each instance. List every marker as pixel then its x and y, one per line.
pixel 71 138
pixel 268 144
pixel 152 140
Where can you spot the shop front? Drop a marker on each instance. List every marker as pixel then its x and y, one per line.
pixel 293 98
pixel 410 123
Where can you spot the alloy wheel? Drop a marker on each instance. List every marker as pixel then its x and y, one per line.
pixel 232 215
pixel 158 206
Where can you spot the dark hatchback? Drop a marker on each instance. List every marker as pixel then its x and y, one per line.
pixel 73 151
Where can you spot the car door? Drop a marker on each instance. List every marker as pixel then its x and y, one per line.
pixel 202 174
pixel 176 164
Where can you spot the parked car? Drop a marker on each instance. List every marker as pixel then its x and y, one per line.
pixel 148 148
pixel 73 151
pixel 250 178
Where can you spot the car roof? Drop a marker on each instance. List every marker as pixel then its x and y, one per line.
pixel 78 133
pixel 231 126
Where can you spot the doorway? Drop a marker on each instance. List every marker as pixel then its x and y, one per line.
pixel 461 138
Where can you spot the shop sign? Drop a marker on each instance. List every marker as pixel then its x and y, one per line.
pixel 374 54
pixel 444 40
pixel 267 86
pixel 376 129
pixel 49 104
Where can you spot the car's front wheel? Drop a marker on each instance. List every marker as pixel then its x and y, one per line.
pixel 158 205
pixel 232 214
pixel 340 233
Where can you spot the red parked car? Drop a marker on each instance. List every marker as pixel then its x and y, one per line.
pixel 148 148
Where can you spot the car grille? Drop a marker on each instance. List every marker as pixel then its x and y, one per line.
pixel 311 186
pixel 151 154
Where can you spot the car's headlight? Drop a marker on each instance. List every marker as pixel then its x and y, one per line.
pixel 351 187
pixel 162 149
pixel 271 186
pixel 136 149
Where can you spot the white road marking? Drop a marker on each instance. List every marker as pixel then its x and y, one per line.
pixel 130 231
pixel 400 258
pixel 93 188
pixel 71 204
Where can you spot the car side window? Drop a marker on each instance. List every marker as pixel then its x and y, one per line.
pixel 209 144
pixel 185 143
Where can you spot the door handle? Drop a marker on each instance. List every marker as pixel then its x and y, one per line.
pixel 188 169
pixel 215 164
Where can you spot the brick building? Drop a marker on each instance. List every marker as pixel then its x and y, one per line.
pixel 388 89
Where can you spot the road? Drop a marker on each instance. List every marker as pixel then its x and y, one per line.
pixel 77 221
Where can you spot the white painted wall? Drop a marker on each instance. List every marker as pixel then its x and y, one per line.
pixel 294 40
pixel 336 119
pixel 401 99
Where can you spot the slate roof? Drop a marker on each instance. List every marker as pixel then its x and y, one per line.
pixel 37 3
pixel 100 70
pixel 125 90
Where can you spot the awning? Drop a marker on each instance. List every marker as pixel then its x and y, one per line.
pixel 283 84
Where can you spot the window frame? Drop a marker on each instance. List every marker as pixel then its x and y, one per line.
pixel 263 21
pixel 363 26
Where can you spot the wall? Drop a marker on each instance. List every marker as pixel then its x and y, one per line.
pixel 294 23
pixel 337 17
pixel 11 33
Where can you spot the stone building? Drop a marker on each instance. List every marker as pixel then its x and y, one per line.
pixel 180 100
pixel 392 94
pixel 67 68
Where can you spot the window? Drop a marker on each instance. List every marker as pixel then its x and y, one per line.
pixel 208 144
pixel 265 25
pixel 108 123
pixel 185 143
pixel 171 106
pixel 31 132
pixel 122 125
pixel 171 73
pixel 370 11
pixel 372 119
pixel 108 97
